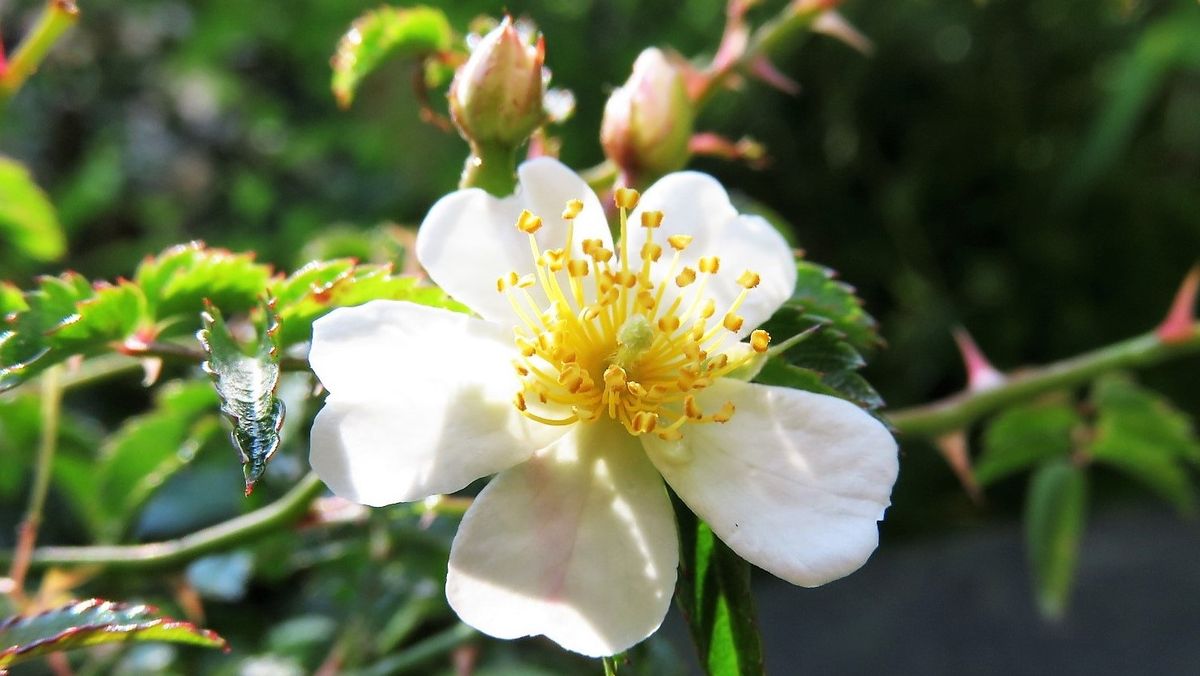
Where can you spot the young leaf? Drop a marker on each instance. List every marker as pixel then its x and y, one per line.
pixel 27 219
pixel 1142 435
pixel 1055 510
pixel 180 279
pixel 1025 436
pixel 412 32
pixel 246 385
pixel 27 345
pixel 93 622
pixel 714 595
pixel 319 287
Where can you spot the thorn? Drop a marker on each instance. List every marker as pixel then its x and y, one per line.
pixel 714 145
pixel 763 69
pixel 954 450
pixel 981 375
pixel 837 27
pixel 1179 324
pixel 151 370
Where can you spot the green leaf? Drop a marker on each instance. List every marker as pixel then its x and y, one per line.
pixel 714 595
pixel 412 32
pixel 820 298
pixel 1141 434
pixel 148 449
pixel 830 329
pixel 321 286
pixel 27 218
pixel 843 384
pixel 26 342
pixel 246 385
pixel 94 622
pixel 1025 436
pixel 179 280
pixel 1055 511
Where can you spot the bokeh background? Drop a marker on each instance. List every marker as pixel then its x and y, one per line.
pixel 1028 170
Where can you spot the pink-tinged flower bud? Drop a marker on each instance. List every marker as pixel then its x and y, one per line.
pixel 496 96
pixel 648 122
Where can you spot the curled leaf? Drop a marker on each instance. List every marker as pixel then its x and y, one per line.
pixel 388 31
pixel 246 384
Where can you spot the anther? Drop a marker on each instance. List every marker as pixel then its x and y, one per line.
pixel 759 340
pixel 601 254
pixel 528 223
pixel 526 281
pixel 690 409
pixel 572 210
pixel 726 412
pixel 686 277
pixel 636 389
pixel 651 252
pixel 710 264
pixel 626 198
pixel 669 323
pixel 614 377
pixel 710 308
pixel 733 322
pixel 644 422
pixel 749 279
pixel 670 435
pixel 652 219
pixel 679 242
pixel 577 267
pixel 645 300
pixel 626 279
pixel 519 401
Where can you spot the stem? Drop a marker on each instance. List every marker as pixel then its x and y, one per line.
pixel 56 18
pixel 491 167
pixel 280 514
pixel 959 410
pixel 47 445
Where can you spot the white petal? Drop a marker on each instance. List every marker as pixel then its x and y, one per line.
pixel 577 544
pixel 420 402
pixel 794 483
pixel 695 204
pixel 469 238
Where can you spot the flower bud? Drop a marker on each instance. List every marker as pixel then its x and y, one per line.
pixel 648 122
pixel 496 96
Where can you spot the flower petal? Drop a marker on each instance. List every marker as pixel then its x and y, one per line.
pixel 470 239
pixel 420 402
pixel 794 482
pixel 577 544
pixel 695 204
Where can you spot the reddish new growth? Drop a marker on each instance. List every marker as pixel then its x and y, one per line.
pixel 1179 324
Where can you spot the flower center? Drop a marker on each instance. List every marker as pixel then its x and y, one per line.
pixel 610 342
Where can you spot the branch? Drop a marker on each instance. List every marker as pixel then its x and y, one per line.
pixel 240 530
pixel 958 411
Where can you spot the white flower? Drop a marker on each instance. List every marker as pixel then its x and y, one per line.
pixel 589 374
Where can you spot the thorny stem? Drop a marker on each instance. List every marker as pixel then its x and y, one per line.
pixel 958 411
pixel 51 403
pixel 56 18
